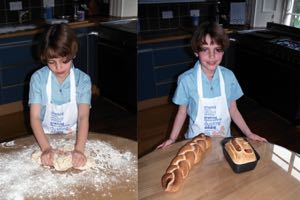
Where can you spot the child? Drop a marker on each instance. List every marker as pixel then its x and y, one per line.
pixel 208 92
pixel 60 95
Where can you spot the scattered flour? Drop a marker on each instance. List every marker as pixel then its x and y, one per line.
pixel 8 144
pixel 21 178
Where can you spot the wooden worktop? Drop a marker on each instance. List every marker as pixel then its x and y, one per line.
pixel 114 175
pixel 276 175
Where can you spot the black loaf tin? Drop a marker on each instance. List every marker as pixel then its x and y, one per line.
pixel 235 167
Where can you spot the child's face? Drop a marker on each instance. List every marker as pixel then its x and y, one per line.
pixel 210 55
pixel 60 67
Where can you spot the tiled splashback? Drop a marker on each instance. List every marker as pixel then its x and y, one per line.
pixel 35 8
pixel 165 16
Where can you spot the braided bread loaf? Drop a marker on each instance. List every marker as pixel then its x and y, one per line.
pixel 188 155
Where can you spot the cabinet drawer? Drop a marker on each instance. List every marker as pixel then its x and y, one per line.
pixel 14 93
pixel 19 74
pixel 16 54
pixel 172 55
pixel 166 89
pixel 146 75
pixel 171 72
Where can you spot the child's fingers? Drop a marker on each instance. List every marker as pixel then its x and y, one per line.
pixel 78 159
pixel 163 145
pixel 160 146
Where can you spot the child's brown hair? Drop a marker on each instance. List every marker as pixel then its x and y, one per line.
pixel 214 30
pixel 59 41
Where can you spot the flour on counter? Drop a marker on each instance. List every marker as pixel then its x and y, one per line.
pixel 21 178
pixel 8 144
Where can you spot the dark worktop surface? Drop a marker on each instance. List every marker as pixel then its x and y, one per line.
pixel 179 33
pixel 88 22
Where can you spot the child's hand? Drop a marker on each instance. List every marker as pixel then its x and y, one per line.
pixel 165 144
pixel 47 157
pixel 257 138
pixel 78 159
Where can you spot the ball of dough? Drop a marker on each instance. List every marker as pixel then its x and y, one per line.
pixel 62 159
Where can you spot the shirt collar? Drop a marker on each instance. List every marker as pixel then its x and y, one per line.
pixel 204 77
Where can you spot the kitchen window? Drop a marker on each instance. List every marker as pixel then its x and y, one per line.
pixel 292 16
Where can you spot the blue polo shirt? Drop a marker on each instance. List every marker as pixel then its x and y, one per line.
pixel 186 92
pixel 60 92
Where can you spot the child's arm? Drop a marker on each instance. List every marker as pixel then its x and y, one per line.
pixel 36 125
pixel 240 122
pixel 178 123
pixel 79 158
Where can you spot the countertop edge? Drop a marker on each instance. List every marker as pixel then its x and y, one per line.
pixel 163 39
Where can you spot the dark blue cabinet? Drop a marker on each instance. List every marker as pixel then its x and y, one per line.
pixel 146 75
pixel 159 65
pixel 17 63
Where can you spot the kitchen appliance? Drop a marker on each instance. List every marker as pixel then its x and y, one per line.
pixel 268 68
pixel 276 40
pixel 117 47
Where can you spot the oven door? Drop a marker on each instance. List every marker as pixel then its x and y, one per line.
pixel 118 67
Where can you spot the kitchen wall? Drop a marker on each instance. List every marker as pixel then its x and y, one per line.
pixel 35 8
pixel 61 7
pixel 151 15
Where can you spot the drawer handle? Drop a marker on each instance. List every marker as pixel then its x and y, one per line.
pixel 93 33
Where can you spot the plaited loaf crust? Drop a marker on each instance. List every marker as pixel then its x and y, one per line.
pixel 188 155
pixel 240 151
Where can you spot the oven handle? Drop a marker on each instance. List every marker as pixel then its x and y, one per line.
pixel 111 46
pixel 93 33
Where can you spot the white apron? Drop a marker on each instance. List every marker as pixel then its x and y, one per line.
pixel 61 118
pixel 213 116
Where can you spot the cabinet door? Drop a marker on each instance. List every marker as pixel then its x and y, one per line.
pixel 146 76
pixel 81 60
pixel 228 60
pixel 92 56
pixel 86 58
pixel 17 63
pixel 117 74
pixel 170 60
pixel 269 81
pixel 159 66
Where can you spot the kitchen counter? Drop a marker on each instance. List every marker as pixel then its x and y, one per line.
pixel 180 33
pixel 89 22
pixel 276 175
pixel 22 178
pixel 163 36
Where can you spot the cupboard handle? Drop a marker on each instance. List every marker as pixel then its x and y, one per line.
pixel 93 33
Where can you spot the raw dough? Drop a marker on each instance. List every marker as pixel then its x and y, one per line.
pixel 62 159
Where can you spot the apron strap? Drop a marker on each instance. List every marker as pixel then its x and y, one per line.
pixel 48 87
pixel 199 80
pixel 222 83
pixel 72 87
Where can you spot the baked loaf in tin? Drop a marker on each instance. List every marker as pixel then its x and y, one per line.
pixel 240 151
